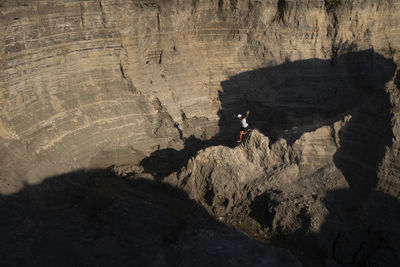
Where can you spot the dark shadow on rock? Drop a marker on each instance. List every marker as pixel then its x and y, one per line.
pixel 361 233
pixel 299 96
pixel 397 79
pixel 362 226
pixel 86 218
pixel 285 101
pixel 353 233
pixel 363 142
pixel 163 162
pixel 266 210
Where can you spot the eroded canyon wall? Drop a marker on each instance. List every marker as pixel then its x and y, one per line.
pixel 86 84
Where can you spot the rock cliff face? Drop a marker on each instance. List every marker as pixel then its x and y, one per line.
pixel 87 84
pixel 93 83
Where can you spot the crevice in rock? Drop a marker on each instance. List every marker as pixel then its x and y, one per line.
pixel 121 68
pixel 128 81
pixel 103 14
pixel 82 15
pixel 280 13
pixel 176 125
pixel 220 5
pixel 396 78
pixel 158 22
pixel 391 49
pixel 194 6
pixel 209 193
pixel 123 56
pixel 332 5
pixel 160 58
pixel 333 31
pixel 234 5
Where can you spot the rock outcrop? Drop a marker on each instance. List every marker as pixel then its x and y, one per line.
pixel 333 189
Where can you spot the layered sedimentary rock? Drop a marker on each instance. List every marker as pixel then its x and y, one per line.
pixel 92 83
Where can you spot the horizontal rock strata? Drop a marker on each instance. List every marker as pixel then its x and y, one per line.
pixel 93 83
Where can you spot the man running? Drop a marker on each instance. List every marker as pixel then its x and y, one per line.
pixel 243 125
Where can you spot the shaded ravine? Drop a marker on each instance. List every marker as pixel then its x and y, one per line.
pixel 86 218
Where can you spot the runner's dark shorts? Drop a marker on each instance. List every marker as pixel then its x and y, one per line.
pixel 244 129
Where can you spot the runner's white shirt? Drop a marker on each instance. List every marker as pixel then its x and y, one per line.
pixel 243 123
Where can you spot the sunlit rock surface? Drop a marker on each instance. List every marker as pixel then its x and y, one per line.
pixel 92 83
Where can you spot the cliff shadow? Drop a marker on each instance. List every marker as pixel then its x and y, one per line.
pixel 352 233
pixel 363 143
pixel 87 218
pixel 361 226
pixel 294 97
pixel 285 101
pixel 361 233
